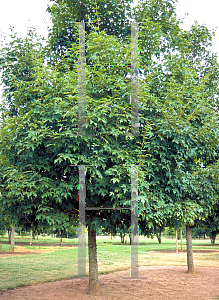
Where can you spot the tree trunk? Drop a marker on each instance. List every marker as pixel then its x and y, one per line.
pixel 122 238
pixel 190 263
pixel 93 266
pixel 12 239
pixel 204 236
pixel 9 235
pixel 34 235
pixel 31 236
pixel 176 242
pixel 181 239
pixel 111 236
pixel 159 237
pixel 37 236
pixel 213 237
pixel 60 238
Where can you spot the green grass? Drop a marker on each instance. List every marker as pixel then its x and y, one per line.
pixel 5 247
pixel 17 271
pixel 41 240
pixel 34 268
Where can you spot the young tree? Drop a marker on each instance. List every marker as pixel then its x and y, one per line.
pixel 184 105
pixel 42 170
pixel 177 119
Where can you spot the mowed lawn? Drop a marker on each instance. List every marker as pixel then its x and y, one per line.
pixel 61 262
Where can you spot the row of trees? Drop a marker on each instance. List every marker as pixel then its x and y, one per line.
pixel 205 230
pixel 177 149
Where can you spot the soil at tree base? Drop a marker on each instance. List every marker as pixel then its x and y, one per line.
pixel 162 283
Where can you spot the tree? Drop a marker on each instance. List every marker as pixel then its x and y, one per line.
pixel 177 128
pixel 209 226
pixel 114 16
pixel 181 140
pixel 42 170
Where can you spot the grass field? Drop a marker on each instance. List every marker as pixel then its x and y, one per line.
pixel 62 263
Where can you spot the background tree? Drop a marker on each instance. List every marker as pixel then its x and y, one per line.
pixel 209 226
pixel 113 18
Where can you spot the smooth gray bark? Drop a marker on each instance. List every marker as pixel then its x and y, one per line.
pixel 93 266
pixel 12 239
pixel 190 263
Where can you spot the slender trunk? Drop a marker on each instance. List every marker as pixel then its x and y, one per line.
pixel 204 236
pixel 213 237
pixel 37 236
pixel 60 238
pixel 9 235
pixel 31 236
pixel 93 266
pixel 34 235
pixel 0 247
pixel 12 239
pixel 212 241
pixel 122 238
pixel 159 237
pixel 111 236
pixel 181 239
pixel 176 243
pixel 190 263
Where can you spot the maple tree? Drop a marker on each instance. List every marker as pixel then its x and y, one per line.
pixel 178 88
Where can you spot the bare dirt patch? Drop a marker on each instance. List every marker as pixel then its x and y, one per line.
pixel 162 283
pixel 21 250
pixel 202 258
pixel 41 244
pixel 200 251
